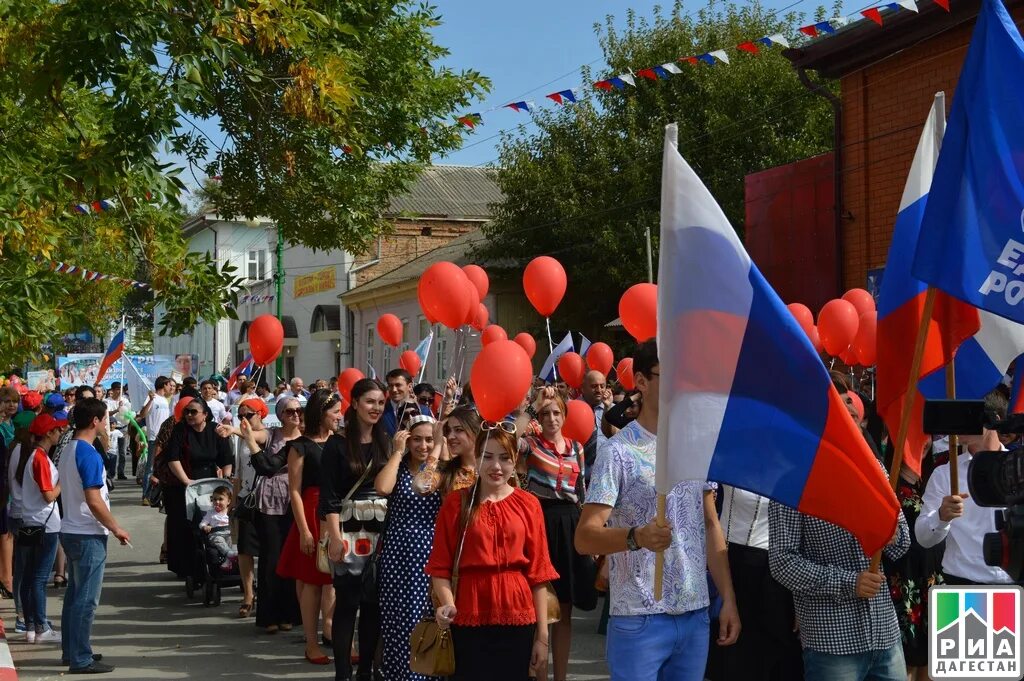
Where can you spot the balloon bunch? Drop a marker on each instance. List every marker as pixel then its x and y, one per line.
pixel 846 327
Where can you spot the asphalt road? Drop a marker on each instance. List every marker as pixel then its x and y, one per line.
pixel 147 628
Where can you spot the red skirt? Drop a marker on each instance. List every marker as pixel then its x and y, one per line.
pixel 294 564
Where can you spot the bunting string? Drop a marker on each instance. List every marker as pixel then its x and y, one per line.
pixel 876 14
pixel 89 275
pixel 252 298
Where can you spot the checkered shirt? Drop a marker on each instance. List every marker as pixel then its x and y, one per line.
pixel 819 562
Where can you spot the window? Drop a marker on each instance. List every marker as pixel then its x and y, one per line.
pixel 386 365
pixel 405 336
pixel 442 358
pixel 319 321
pixel 256 265
pixel 371 341
pixel 424 328
pixel 289 368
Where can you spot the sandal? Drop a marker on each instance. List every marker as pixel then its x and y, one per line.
pixel 60 582
pixel 245 610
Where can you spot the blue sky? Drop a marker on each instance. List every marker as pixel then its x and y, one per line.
pixel 528 48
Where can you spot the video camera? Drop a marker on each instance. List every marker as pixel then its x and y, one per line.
pixel 995 478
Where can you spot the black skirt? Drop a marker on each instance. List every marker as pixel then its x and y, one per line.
pixel 495 653
pixel 248 539
pixel 576 573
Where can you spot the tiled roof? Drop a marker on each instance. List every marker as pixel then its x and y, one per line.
pixel 457 192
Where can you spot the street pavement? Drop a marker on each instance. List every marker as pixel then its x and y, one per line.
pixel 148 628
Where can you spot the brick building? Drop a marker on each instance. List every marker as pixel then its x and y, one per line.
pixel 888 77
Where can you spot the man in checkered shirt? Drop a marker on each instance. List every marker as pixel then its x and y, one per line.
pixel 847 621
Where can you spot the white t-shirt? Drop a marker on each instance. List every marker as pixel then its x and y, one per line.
pixel 214 519
pixel 217 407
pixel 40 476
pixel 159 411
pixel 81 468
pixel 113 409
pixel 14 506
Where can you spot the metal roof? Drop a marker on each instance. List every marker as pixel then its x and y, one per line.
pixel 455 192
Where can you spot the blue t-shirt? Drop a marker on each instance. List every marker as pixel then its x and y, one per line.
pixel 81 468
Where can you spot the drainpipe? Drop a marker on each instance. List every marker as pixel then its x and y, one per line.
pixel 837 166
pixel 349 314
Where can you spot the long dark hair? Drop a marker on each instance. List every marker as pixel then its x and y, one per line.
pixel 318 404
pixel 471 499
pixel 28 447
pixel 470 420
pixel 354 431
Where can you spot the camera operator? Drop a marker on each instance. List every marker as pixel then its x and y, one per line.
pixel 956 518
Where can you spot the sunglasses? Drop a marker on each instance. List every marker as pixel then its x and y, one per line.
pixel 507 426
pixel 246 416
pixel 192 412
pixel 424 400
pixel 293 412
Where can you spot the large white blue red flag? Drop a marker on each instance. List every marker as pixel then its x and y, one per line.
pixel 971 243
pixel 114 352
pixel 744 398
pixel 244 368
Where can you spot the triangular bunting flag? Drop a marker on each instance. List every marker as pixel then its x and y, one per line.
pixel 671 68
pixel 824 27
pixel 839 21
pixel 944 4
pixel 811 30
pixel 689 60
pixel 908 4
pixel 873 14
pixel 779 39
pixel 555 97
pixel 649 74
pixel 604 85
pixel 470 120
pixel 749 46
pixel 707 58
pixel 720 55
pixel 627 78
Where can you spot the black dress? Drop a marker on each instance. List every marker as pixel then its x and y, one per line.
pixel 200 454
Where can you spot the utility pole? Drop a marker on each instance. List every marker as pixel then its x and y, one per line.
pixel 279 281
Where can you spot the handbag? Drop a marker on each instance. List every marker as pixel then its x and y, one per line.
pixel 554 609
pixel 323 559
pixel 247 507
pixel 369 583
pixel 431 651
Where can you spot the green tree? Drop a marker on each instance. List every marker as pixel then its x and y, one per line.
pixel 585 186
pixel 327 109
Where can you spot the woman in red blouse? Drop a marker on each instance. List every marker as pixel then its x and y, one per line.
pixel 501 573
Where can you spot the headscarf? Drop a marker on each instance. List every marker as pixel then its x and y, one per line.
pixel 179 408
pixel 257 405
pixel 282 405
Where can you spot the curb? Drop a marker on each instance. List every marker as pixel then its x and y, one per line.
pixel 7 670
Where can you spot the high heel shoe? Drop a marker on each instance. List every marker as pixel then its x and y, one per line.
pixel 60 582
pixel 5 592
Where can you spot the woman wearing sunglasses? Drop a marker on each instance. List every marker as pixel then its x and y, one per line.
pixel 502 565
pixel 195 451
pixel 353 514
pixel 553 466
pixel 298 557
pixel 277 606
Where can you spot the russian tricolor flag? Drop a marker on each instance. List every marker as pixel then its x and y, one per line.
pixel 114 352
pixel 744 398
pixel 901 304
pixel 243 369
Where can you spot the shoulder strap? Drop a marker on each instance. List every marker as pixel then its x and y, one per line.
pixel 359 482
pixel 458 556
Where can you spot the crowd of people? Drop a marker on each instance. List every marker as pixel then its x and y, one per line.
pixel 407 506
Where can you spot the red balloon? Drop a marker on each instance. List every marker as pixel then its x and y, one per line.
pixel 804 316
pixel 579 421
pixel 864 343
pixel 478 277
pixel 444 292
pixel 410 361
pixel 816 339
pixel 860 299
pixel 624 372
pixel 527 343
pixel 570 369
pixel 423 307
pixel 837 325
pixel 389 328
pixel 500 378
pixel 347 379
pixel 266 339
pixel 848 357
pixel 492 333
pixel 638 310
pixel 481 318
pixel 544 283
pixel 474 305
pixel 600 357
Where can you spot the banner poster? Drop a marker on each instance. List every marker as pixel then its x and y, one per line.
pixel 43 381
pixel 81 369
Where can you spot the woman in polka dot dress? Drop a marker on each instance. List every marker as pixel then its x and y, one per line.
pixel 403 584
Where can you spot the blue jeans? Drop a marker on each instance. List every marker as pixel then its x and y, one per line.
pixel 19 567
pixel 873 665
pixel 38 563
pixel 658 647
pixel 148 469
pixel 86 556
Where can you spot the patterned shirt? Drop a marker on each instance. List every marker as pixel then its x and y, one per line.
pixel 623 478
pixel 819 562
pixel 552 474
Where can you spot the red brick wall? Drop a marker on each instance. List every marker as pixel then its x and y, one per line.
pixel 407 242
pixel 884 107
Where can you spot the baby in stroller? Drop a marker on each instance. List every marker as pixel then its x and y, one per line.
pixel 217 527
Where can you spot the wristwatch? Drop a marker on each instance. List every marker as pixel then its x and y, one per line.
pixel 631 540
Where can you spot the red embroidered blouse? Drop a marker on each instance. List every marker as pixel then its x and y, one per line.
pixel 505 555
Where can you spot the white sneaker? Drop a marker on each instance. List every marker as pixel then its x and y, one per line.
pixel 30 636
pixel 48 636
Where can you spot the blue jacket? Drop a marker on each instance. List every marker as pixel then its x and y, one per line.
pixel 390 417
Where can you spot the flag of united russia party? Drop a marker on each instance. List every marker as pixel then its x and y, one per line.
pixel 114 353
pixel 744 398
pixel 901 304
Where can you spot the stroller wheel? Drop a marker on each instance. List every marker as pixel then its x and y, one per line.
pixel 216 594
pixel 190 586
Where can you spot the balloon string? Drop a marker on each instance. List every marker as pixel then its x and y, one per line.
pixel 551 348
pixel 462 362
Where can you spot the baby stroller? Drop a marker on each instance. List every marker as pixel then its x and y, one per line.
pixel 207 572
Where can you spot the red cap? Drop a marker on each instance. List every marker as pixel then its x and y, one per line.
pixel 32 400
pixel 44 423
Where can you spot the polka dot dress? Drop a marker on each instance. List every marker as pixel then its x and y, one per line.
pixel 402 583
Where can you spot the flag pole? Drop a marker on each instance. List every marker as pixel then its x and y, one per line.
pixel 954 440
pixel 659 557
pixel 908 400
